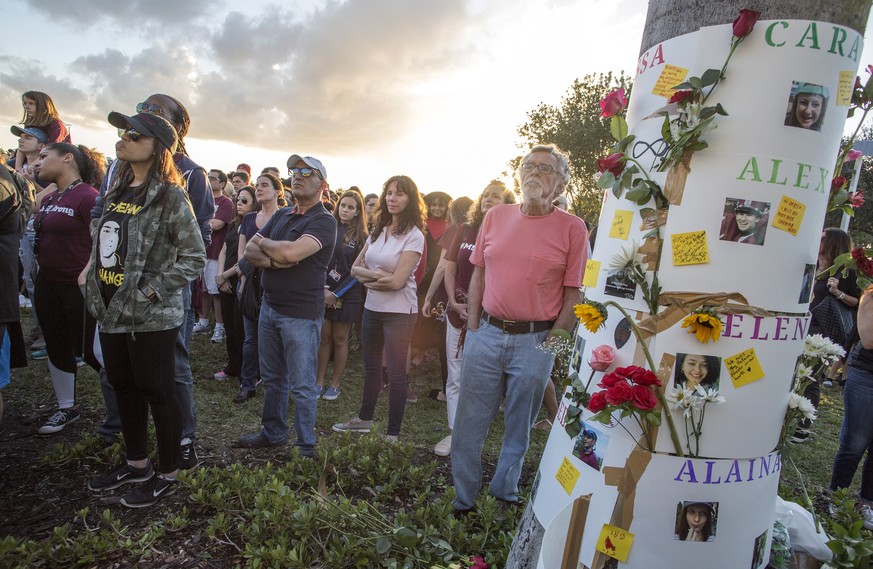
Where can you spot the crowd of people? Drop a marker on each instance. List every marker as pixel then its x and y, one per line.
pixel 123 260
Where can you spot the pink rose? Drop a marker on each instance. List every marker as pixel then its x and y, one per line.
pixel 601 358
pixel 853 155
pixel 642 398
pixel 619 393
pixel 613 163
pixel 856 199
pixel 613 103
pixel 597 402
pixel 745 22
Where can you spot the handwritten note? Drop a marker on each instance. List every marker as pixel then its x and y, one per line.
pixel 690 248
pixel 592 270
pixel 789 215
pixel 844 88
pixel 614 542
pixel 671 76
pixel 621 223
pixel 567 475
pixel 744 368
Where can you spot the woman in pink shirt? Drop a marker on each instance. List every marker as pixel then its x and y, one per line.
pixel 385 267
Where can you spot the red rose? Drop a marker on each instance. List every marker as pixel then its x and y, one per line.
pixel 642 398
pixel 745 22
pixel 838 183
pixel 613 103
pixel 601 358
pixel 681 96
pixel 478 562
pixel 619 393
pixel 597 402
pixel 856 199
pixel 611 379
pixel 858 254
pixel 613 163
pixel 641 376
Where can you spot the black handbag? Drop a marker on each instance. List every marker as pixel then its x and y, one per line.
pixel 834 319
pixel 250 297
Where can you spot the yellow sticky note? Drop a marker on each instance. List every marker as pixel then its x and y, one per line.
pixel 621 222
pixel 592 270
pixel 744 368
pixel 690 248
pixel 567 475
pixel 671 76
pixel 789 215
pixel 614 542
pixel 844 88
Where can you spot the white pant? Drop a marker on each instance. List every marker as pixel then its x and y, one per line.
pixel 453 381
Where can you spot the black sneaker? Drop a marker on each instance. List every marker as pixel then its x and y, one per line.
pixel 124 474
pixel 153 490
pixel 188 458
pixel 59 420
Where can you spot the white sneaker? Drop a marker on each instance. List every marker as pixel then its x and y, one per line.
pixel 867 515
pixel 444 447
pixel 200 328
pixel 23 301
pixel 218 335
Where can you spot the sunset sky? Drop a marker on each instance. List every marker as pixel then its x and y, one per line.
pixel 435 89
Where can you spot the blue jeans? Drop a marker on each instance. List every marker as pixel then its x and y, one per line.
pixel 289 361
pixel 391 331
pixel 250 371
pixel 497 365
pixel 184 378
pixel 856 435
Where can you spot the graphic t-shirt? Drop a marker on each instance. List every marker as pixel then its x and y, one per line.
pixel 112 236
pixel 64 233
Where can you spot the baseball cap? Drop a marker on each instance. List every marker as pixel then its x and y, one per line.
pixel 749 206
pixel 309 161
pixel 33 131
pixel 147 124
pixel 244 168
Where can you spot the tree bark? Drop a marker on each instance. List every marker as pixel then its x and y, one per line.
pixel 667 19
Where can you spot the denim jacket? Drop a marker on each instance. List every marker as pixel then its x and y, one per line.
pixel 164 250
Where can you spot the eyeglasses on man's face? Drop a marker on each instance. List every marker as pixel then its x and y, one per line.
pixel 529 167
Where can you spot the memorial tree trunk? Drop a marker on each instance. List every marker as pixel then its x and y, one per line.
pixel 667 19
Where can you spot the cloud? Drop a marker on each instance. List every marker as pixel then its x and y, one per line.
pixel 152 13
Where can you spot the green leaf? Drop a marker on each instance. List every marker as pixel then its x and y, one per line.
pixel 573 429
pixel 639 195
pixel 710 76
pixel 695 83
pixel 665 129
pixel 720 110
pixel 646 212
pixel 683 86
pixel 406 537
pixel 840 198
pixel 607 179
pixel 573 411
pixel 618 127
pixel 697 146
pixel 382 545
pixel 625 142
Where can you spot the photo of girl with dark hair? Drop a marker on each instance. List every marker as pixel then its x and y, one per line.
pixel 695 369
pixel 696 521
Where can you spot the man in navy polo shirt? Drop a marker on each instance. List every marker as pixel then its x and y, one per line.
pixel 294 249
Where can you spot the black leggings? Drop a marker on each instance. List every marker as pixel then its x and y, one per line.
pixel 141 368
pixel 60 309
pixel 233 333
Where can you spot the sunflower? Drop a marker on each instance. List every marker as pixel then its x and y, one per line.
pixel 591 314
pixel 705 324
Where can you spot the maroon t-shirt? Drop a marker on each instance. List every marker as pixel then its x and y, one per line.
pixel 459 252
pixel 57 131
pixel 224 212
pixel 64 232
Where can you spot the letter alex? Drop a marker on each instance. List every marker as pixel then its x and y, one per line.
pixel 797 175
pixel 728 472
pixel 111 277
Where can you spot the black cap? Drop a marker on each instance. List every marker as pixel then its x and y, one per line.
pixel 147 124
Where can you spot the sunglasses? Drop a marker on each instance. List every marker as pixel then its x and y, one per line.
pixel 132 134
pixel 147 108
pixel 242 201
pixel 305 172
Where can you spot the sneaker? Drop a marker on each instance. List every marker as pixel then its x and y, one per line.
pixel 391 438
pixel 827 383
pixel 59 420
pixel 200 329
pixel 79 361
pixel 24 302
pixel 40 354
pixel 153 490
pixel 355 425
pixel 220 376
pixel 331 393
pixel 218 335
pixel 124 474
pixel 411 397
pixel 441 396
pixel 243 395
pixel 38 343
pixel 799 437
pixel 444 447
pixel 188 458
pixel 867 516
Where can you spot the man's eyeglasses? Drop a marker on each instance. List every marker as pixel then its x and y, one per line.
pixel 147 108
pixel 529 167
pixel 305 172
pixel 212 178
pixel 132 134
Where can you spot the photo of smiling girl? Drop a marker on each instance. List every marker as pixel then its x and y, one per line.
pixel 696 521
pixel 694 369
pixel 806 106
